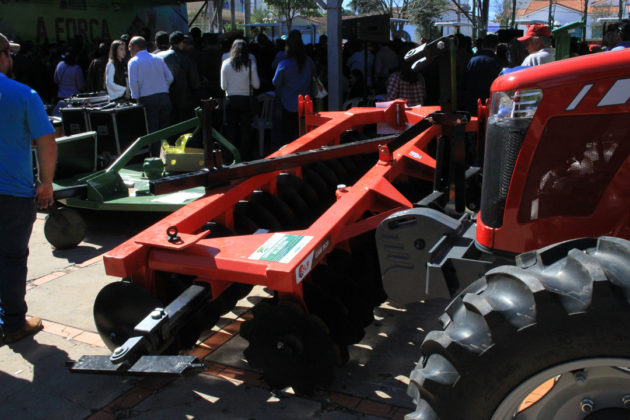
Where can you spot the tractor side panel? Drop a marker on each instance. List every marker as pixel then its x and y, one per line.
pixel 576 159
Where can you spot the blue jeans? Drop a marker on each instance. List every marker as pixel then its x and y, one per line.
pixel 17 215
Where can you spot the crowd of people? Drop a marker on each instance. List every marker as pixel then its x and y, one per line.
pixel 170 73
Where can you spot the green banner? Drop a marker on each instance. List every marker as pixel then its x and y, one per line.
pixel 59 21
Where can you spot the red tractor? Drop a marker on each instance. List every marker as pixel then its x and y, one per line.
pixel 543 334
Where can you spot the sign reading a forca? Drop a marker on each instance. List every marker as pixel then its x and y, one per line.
pixel 61 21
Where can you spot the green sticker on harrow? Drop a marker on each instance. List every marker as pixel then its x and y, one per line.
pixel 280 248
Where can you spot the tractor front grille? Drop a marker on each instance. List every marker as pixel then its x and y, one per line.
pixel 503 143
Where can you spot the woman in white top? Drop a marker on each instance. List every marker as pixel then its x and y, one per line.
pixel 115 72
pixel 239 78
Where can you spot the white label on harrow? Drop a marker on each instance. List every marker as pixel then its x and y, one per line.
pixel 415 155
pixel 304 268
pixel 280 248
pixel 178 197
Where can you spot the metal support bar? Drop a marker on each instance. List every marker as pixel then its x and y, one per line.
pixel 157 330
pixel 223 175
pixel 151 337
pixel 333 23
pixel 206 129
pixel 78 191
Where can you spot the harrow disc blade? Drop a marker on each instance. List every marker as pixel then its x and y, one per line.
pixel 118 308
pixel 291 348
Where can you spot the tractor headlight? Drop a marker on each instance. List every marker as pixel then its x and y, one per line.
pixel 515 104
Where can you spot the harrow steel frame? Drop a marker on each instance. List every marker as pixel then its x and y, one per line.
pixel 282 260
pixel 220 261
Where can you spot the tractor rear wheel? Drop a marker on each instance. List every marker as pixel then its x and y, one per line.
pixel 547 339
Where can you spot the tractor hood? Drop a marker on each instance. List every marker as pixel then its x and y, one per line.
pixel 564 72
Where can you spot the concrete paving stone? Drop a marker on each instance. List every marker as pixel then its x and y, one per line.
pixel 380 363
pixel 105 230
pixel 69 299
pixel 203 396
pixel 37 385
pixel 43 259
pixel 231 353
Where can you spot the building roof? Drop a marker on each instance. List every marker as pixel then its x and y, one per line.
pixel 606 8
pixel 597 7
pixel 536 5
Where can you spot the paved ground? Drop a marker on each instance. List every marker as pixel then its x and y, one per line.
pixel 62 285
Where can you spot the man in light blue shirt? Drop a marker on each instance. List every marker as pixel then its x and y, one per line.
pixel 149 80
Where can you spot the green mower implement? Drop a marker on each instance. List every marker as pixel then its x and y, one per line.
pixel 123 186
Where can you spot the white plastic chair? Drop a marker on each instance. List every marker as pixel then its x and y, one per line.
pixel 263 120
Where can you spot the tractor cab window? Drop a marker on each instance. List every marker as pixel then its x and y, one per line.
pixel 576 159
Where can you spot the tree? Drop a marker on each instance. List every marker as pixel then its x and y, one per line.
pixel 393 8
pixel 503 12
pixel 261 16
pixel 423 12
pixel 288 9
pixel 367 6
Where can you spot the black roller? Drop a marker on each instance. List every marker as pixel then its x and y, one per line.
pixel 290 347
pixel 243 224
pixel 339 170
pixel 350 287
pixel 292 198
pixel 263 217
pixel 324 303
pixel 365 257
pixel 365 161
pixel 118 308
pixel 277 207
pixel 307 193
pixel 327 174
pixel 324 194
pixel 351 167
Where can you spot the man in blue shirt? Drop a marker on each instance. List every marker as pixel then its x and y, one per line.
pixel 23 120
pixel 149 80
pixel 294 77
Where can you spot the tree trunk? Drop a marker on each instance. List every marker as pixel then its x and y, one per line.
pixel 585 18
pixel 233 15
pixel 485 9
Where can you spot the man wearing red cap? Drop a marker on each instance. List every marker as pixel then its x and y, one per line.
pixel 537 42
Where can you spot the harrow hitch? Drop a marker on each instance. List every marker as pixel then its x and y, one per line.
pixel 153 336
